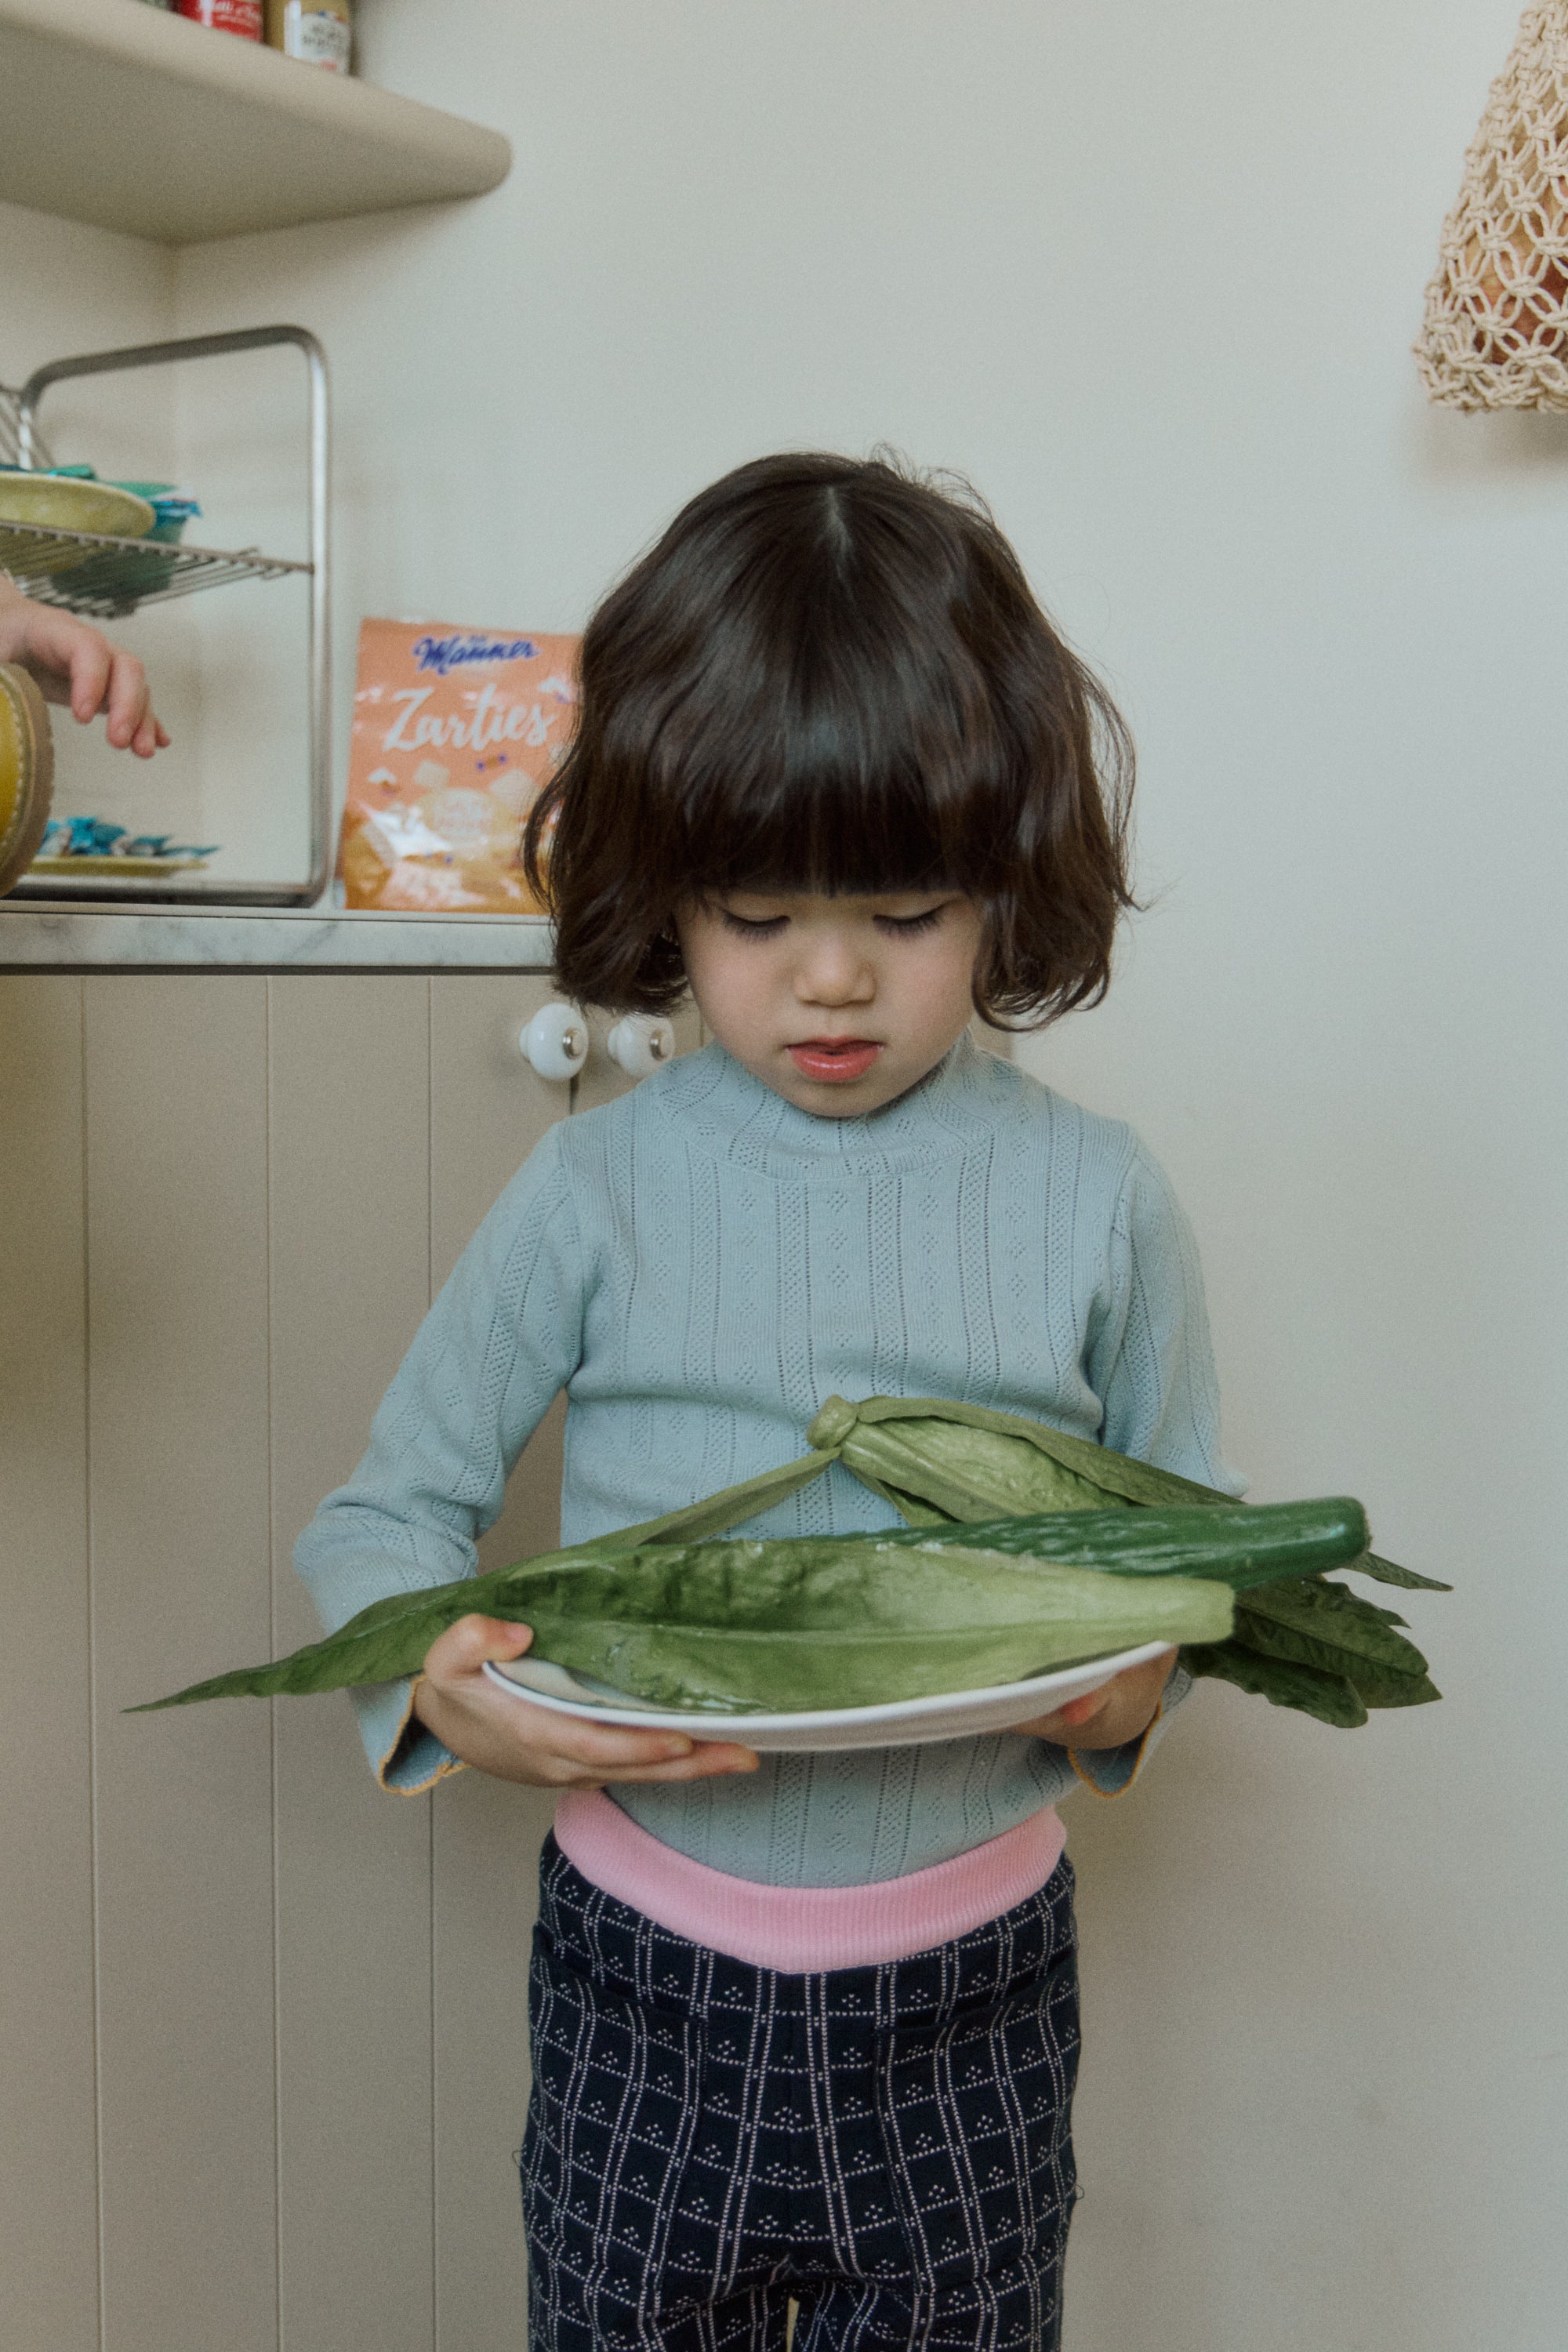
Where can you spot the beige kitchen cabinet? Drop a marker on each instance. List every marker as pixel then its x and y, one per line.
pixel 262 2027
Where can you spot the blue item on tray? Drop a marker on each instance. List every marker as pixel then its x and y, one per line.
pixel 94 836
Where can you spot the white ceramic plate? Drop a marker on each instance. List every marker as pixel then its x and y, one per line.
pixel 902 1723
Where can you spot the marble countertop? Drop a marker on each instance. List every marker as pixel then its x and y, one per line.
pixel 38 936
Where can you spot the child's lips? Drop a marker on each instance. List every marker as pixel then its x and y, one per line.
pixel 834 1059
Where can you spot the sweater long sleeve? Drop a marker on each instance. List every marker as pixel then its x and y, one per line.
pixel 699 1266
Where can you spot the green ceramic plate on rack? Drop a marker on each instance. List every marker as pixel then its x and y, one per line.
pixel 62 502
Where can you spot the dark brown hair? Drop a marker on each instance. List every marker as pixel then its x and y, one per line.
pixel 829 675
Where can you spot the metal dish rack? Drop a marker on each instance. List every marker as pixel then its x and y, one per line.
pixel 106 578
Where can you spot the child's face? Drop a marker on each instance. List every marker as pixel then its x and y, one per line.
pixel 838 1004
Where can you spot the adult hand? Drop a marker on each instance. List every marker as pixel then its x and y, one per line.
pixel 76 665
pixel 514 1741
pixel 1120 1710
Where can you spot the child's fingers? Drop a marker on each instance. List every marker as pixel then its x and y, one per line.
pixel 562 1750
pixel 709 1760
pixel 464 1647
pixel 581 1748
pixel 1065 1721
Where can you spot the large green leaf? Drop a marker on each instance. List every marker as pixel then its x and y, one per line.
pixel 810 1625
pixel 940 1453
pixel 1284 1682
pixel 390 1638
pixel 1326 1624
pixel 786 1624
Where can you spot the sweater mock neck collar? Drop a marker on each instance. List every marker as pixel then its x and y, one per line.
pixel 720 1105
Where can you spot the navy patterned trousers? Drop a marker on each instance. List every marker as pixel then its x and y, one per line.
pixel 889 2146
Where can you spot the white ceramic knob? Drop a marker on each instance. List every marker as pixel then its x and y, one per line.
pixel 556 1041
pixel 640 1044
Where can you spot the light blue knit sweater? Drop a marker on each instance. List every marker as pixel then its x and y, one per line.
pixel 699 1266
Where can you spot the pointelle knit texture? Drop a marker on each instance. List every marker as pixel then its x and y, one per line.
pixel 699 1266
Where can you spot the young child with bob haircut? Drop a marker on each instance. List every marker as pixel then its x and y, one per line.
pixel 804 2025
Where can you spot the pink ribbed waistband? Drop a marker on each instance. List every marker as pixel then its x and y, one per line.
pixel 802 1930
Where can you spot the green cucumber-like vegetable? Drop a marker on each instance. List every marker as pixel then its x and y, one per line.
pixel 1242 1550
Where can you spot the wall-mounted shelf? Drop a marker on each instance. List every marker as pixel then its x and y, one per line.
pixel 107 575
pixel 86 572
pixel 118 115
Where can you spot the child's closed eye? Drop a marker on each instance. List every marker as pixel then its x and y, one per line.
pixel 906 926
pixel 750 927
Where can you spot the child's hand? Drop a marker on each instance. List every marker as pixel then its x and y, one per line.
pixel 513 1741
pixel 75 664
pixel 1121 1709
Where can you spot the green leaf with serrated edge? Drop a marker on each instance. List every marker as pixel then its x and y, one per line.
pixel 1338 1620
pixel 1284 1643
pixel 1375 1686
pixel 1329 1697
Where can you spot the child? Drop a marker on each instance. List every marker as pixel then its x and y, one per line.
pixel 804 2026
pixel 75 664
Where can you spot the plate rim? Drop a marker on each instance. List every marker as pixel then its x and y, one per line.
pixel 891 1712
pixel 70 485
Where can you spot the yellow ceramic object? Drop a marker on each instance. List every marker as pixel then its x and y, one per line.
pixel 27 774
pixel 61 502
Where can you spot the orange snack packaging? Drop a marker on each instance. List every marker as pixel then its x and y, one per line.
pixel 455 731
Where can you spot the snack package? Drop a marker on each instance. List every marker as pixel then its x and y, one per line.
pixel 455 731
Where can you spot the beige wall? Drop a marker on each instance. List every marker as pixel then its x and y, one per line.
pixel 262 2028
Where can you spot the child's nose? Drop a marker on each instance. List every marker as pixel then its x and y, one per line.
pixel 835 973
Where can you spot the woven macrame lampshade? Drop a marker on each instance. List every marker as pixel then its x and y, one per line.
pixel 1496 330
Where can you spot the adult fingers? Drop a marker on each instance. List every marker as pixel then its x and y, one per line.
pixel 90 660
pixel 124 694
pixel 150 736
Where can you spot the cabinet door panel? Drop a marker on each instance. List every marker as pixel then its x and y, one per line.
pixel 488 1110
pixel 176 1224
pixel 48 2153
pixel 349 1250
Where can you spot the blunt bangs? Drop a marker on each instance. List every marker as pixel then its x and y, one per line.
pixel 829 676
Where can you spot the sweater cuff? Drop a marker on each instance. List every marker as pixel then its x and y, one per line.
pixel 405 1757
pixel 1111 1771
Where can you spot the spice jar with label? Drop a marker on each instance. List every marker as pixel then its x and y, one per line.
pixel 320 32
pixel 241 16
